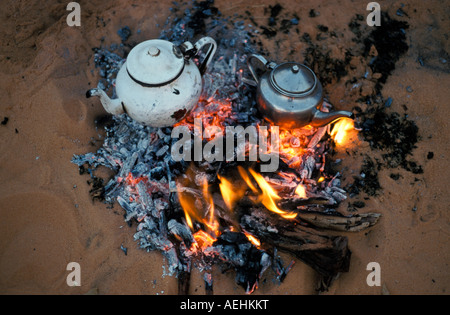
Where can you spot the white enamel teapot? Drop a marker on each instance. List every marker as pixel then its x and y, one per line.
pixel 159 83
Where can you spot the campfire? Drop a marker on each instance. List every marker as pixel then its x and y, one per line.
pixel 201 212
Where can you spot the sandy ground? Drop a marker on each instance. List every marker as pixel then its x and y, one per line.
pixel 48 218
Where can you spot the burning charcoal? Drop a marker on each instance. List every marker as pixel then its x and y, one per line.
pixel 181 230
pixel 338 196
pixel 173 186
pixel 172 258
pixel 91 159
pixel 236 249
pixel 149 224
pixel 336 182
pixel 201 178
pixel 156 173
pixel 126 169
pixel 162 151
pixel 265 263
pixel 112 190
pixel 309 165
pixel 129 209
pixel 278 268
pixel 160 206
pixel 317 137
pixel 281 183
pixel 145 198
pixel 115 164
pixel 294 163
pixel 162 135
pixel 207 277
pixel 143 144
pixel 294 142
pixel 140 168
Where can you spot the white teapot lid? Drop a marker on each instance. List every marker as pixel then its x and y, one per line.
pixel 155 62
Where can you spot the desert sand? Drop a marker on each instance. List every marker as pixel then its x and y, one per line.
pixel 48 218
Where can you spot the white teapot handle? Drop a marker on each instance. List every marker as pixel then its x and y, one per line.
pixel 199 45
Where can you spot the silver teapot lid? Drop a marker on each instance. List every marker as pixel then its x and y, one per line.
pixel 293 79
pixel 155 62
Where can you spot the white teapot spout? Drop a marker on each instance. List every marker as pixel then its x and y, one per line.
pixel 112 106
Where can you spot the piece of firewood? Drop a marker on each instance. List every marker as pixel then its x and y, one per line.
pixel 354 223
pixel 184 280
pixel 328 255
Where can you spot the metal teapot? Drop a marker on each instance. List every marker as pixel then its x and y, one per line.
pixel 159 83
pixel 289 95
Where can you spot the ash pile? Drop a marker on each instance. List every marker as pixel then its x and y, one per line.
pixel 181 208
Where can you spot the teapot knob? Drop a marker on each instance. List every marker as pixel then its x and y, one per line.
pixel 295 69
pixel 153 51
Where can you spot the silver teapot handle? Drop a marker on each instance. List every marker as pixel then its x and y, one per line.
pixel 199 45
pixel 266 64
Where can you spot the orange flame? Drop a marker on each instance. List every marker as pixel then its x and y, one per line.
pixel 246 178
pixel 230 193
pixel 268 197
pixel 212 223
pixel 203 239
pixel 252 239
pixel 301 191
pixel 200 209
pixel 187 203
pixel 341 131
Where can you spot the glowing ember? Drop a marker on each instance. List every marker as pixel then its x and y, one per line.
pixel 203 239
pixel 213 113
pixel 130 180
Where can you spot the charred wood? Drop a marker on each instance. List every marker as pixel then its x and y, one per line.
pixel 328 255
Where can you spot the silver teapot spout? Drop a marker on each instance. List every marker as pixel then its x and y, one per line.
pixel 321 119
pixel 112 106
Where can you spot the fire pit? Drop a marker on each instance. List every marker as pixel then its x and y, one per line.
pixel 201 205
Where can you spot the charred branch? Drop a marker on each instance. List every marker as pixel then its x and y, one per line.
pixel 328 255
